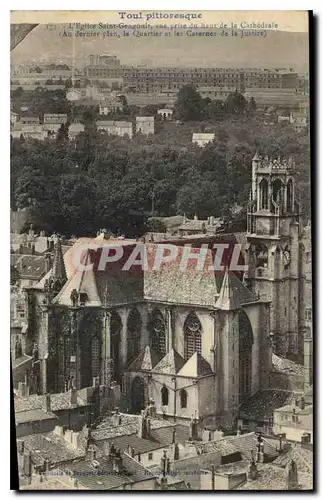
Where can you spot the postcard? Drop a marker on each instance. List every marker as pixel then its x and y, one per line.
pixel 160 250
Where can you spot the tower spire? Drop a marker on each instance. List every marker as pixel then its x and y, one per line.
pixel 58 269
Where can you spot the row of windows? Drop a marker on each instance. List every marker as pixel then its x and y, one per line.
pixel 165 397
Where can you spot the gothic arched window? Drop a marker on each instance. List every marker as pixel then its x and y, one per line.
pixel 164 395
pixel 115 328
pixel 91 349
pixel 263 194
pixel 133 333
pixel 278 188
pixel 96 356
pixel 245 355
pixel 183 398
pixel 290 196
pixel 192 336
pixel 157 337
pixel 261 256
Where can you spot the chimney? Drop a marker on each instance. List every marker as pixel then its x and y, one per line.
pixel 151 409
pixel 306 438
pixel 193 433
pixel 20 446
pixel 302 403
pixel 111 451
pixel 211 220
pixel 117 419
pixel 252 468
pixel 239 430
pixel 27 464
pixel 143 430
pixel 59 430
pixel 281 442
pixel 46 465
pixel 291 476
pixel 260 450
pixel 22 389
pixel 165 464
pixel 148 427
pixel 117 462
pixel 73 396
pixel 91 453
pixel 47 406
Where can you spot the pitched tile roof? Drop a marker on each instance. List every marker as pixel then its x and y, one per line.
pixel 175 282
pixel 274 478
pixel 109 429
pixel 172 282
pixel 51 484
pixel 24 359
pixel 196 366
pixel 103 477
pixel 170 364
pixel 146 360
pixel 52 447
pixel 247 442
pixel 22 417
pixel 303 458
pixel 233 293
pixel 28 266
pixel 83 282
pixel 284 365
pixel 263 403
pixel 158 438
pixel 60 401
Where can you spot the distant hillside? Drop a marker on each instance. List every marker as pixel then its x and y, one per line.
pixel 278 49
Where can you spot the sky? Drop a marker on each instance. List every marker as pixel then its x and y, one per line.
pixel 282 47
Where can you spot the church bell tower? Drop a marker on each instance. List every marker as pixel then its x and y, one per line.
pixel 273 248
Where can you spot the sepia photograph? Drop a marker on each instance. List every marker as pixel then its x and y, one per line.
pixel 161 250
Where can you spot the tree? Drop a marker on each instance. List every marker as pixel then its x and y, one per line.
pixel 14 275
pixel 189 104
pixel 252 106
pixel 215 110
pixel 155 225
pixel 236 103
pixel 62 133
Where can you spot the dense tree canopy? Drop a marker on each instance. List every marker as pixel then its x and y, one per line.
pixel 113 182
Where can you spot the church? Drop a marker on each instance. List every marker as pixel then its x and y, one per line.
pixel 197 342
